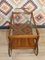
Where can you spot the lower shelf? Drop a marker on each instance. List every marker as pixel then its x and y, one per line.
pixel 22 44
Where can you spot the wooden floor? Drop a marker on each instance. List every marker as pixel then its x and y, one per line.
pixel 21 54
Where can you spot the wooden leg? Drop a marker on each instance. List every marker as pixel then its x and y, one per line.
pixel 36 47
pixel 9 52
pixel 36 50
pixel 10 49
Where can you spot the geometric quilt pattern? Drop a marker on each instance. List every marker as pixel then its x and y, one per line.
pixel 29 6
pixel 39 18
pixel 22 29
pixel 36 6
pixel 20 18
pixel 5 7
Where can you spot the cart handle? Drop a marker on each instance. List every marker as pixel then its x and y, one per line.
pixel 35 24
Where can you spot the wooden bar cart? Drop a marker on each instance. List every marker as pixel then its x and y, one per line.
pixel 21 35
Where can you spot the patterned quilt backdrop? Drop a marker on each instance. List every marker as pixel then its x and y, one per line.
pixel 7 6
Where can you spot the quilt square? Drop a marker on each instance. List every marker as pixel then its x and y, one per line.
pixel 18 18
pixel 5 7
pixel 29 6
pixel 39 18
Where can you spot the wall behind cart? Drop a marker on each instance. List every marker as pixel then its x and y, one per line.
pixel 7 6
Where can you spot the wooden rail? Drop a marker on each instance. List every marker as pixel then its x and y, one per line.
pixel 24 36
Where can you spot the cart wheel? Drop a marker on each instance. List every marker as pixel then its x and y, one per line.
pixel 9 52
pixel 36 50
